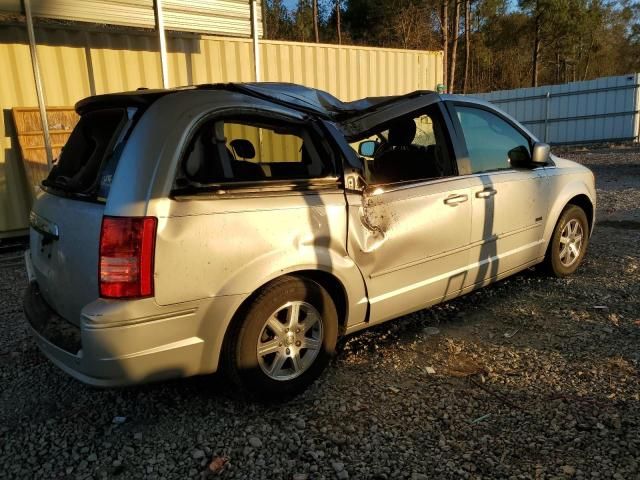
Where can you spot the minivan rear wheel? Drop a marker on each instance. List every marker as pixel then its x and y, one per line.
pixel 283 339
pixel 569 242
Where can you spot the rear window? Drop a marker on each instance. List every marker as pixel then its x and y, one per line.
pixel 89 158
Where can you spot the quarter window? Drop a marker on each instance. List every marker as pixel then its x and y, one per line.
pixel 492 143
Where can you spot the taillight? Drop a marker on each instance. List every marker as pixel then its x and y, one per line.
pixel 127 247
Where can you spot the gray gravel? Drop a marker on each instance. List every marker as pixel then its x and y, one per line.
pixel 531 378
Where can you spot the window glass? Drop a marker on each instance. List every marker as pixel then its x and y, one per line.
pixel 493 144
pixel 238 151
pixel 89 159
pixel 414 147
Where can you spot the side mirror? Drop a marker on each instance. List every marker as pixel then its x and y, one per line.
pixel 519 156
pixel 367 148
pixel 540 154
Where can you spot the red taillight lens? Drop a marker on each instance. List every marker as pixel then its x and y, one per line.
pixel 127 247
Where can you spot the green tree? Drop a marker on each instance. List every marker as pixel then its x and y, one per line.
pixel 278 21
pixel 506 46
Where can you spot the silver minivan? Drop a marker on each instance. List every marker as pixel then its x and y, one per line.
pixel 245 227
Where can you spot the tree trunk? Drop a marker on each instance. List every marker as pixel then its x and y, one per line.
pixel 536 52
pixel 454 45
pixel 263 11
pixel 467 43
pixel 338 28
pixel 315 21
pixel 445 41
pixel 586 66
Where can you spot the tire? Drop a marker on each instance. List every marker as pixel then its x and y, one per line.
pixel 270 323
pixel 571 230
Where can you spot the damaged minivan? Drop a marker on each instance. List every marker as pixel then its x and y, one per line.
pixel 245 227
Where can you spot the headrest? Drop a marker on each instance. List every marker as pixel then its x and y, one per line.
pixel 243 148
pixel 402 133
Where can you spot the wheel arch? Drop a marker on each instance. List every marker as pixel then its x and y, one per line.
pixel 331 283
pixel 334 287
pixel 584 202
pixel 577 195
pixel 334 270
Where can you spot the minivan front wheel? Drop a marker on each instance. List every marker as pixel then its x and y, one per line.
pixel 283 339
pixel 569 242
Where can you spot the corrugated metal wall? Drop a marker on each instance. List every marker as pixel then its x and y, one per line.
pixel 221 17
pixel 78 63
pixel 604 109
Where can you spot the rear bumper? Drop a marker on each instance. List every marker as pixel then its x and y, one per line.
pixel 117 345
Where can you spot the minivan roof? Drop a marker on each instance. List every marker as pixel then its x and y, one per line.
pixel 309 100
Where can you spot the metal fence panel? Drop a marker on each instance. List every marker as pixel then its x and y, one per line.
pixel 77 63
pixel 604 109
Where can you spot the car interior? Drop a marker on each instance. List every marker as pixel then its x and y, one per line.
pixel 91 143
pixel 231 151
pixel 410 148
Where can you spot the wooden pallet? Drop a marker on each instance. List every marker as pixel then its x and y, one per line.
pixel 31 137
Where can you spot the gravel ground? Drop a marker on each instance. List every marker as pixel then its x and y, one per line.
pixel 530 378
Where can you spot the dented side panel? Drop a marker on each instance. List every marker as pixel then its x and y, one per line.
pixel 410 245
pixel 233 246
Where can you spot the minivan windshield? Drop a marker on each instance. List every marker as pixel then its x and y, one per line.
pixel 89 159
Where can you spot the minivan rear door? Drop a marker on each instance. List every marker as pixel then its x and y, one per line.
pixel 67 213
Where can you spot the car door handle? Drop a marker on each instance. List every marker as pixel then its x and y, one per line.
pixel 455 200
pixel 486 193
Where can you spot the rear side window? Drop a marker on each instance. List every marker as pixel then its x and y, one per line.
pixel 492 142
pixel 233 151
pixel 89 158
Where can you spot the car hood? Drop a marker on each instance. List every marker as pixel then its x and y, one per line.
pixel 564 163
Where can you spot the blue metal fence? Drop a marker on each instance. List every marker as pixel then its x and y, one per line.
pixel 601 110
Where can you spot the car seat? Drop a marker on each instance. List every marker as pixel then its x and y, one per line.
pixel 400 160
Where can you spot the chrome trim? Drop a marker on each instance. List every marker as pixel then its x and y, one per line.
pixel 381 188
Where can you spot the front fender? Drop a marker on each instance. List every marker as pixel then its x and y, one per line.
pixel 561 191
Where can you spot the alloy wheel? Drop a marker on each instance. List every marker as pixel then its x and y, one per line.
pixel 290 340
pixel 571 242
